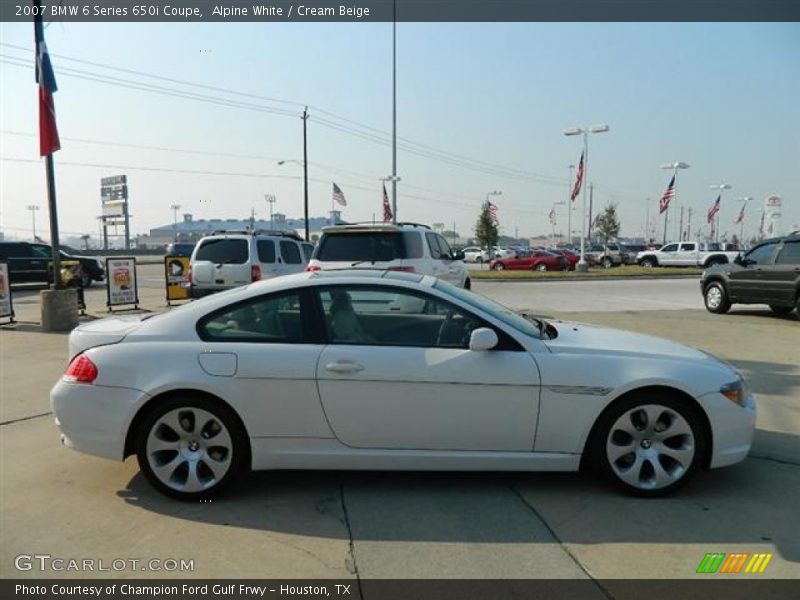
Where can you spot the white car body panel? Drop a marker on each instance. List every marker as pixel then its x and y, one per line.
pixel 430 398
pixel 494 410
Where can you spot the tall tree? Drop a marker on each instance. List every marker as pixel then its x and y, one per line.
pixel 608 223
pixel 486 228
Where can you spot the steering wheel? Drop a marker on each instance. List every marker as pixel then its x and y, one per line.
pixel 444 327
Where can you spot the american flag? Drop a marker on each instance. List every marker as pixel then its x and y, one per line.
pixel 669 194
pixel 740 218
pixel 576 186
pixel 552 216
pixel 338 195
pixel 714 209
pixel 46 78
pixel 492 211
pixel 387 208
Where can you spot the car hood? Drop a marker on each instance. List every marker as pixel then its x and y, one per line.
pixel 582 338
pixel 102 332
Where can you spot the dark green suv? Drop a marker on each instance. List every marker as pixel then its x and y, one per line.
pixel 767 274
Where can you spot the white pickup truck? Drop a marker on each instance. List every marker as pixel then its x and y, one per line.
pixel 686 254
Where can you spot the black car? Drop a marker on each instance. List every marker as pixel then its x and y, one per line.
pixel 28 263
pixel 767 274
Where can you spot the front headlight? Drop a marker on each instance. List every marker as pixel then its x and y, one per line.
pixel 735 391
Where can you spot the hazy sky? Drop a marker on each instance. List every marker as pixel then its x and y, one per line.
pixel 721 97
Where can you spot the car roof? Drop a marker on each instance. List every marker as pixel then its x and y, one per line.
pixel 373 227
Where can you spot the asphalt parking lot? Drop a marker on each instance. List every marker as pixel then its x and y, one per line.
pixel 349 525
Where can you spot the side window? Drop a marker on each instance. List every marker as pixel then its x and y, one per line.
pixel 268 319
pixel 41 251
pixel 396 317
pixel 687 247
pixel 308 250
pixel 290 253
pixel 670 248
pixel 444 247
pixel 413 244
pixel 266 251
pixel 433 245
pixel 14 250
pixel 761 255
pixel 789 255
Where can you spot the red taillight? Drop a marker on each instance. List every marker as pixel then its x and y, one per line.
pixel 255 273
pixel 403 269
pixel 312 268
pixel 81 370
pixel 187 277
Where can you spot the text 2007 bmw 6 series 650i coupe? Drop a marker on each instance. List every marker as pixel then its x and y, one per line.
pixel 389 370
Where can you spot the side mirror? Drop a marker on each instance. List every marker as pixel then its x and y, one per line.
pixel 458 255
pixel 483 338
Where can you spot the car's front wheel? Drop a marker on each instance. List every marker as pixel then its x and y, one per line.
pixel 648 263
pixel 541 267
pixel 498 267
pixel 650 444
pixel 781 310
pixel 716 298
pixel 191 448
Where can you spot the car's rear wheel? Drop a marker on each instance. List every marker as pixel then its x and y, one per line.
pixel 650 444
pixel 716 298
pixel 648 263
pixel 781 310
pixel 479 259
pixel 498 267
pixel 191 448
pixel 541 267
pixel 607 263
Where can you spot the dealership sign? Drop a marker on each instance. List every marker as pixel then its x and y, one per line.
pixel 121 283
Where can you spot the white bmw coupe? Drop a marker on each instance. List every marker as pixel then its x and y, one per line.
pixel 389 370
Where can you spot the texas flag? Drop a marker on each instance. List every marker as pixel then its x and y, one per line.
pixel 48 132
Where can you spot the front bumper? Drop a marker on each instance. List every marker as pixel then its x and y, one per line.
pixel 732 428
pixel 94 419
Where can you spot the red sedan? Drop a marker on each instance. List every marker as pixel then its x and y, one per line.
pixel 538 260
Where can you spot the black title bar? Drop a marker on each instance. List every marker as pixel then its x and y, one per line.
pixel 402 10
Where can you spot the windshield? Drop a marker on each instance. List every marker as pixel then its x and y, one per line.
pixel 528 325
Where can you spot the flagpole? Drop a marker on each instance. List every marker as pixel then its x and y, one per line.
pixel 394 111
pixel 51 205
pixel 305 170
pixel 569 207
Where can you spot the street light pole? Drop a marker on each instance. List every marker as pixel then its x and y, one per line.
pixel 175 208
pixel 582 264
pixel 674 167
pixel 305 169
pixel 720 187
pixel 394 112
pixel 33 208
pixel 271 200
pixel 569 207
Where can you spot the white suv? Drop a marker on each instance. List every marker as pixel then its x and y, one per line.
pixel 401 247
pixel 229 259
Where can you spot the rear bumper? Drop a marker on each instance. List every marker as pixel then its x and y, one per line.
pixel 95 419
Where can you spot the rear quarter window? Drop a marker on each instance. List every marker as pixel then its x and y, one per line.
pixel 223 251
pixel 266 251
pixel 290 253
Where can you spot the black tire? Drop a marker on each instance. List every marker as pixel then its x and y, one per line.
pixel 648 262
pixel 607 436
pixel 498 267
pixel 781 310
pixel 607 263
pixel 714 262
pixel 238 453
pixel 541 267
pixel 86 280
pixel 715 297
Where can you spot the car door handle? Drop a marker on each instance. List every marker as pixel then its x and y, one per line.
pixel 344 367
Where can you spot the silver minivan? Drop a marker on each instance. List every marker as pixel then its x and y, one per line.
pixel 232 258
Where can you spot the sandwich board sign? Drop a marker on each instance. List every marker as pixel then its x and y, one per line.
pixel 121 285
pixel 6 303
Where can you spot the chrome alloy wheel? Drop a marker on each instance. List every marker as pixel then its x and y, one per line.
pixel 713 297
pixel 189 449
pixel 650 447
